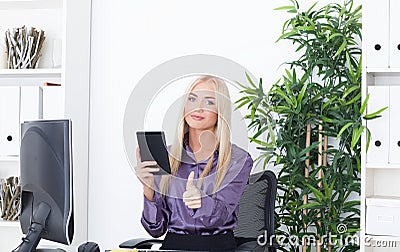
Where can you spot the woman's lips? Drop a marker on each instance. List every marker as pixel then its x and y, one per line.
pixel 196 117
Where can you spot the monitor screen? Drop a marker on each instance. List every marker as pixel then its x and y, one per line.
pixel 46 182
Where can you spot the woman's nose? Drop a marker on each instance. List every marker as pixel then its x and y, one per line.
pixel 199 109
pixel 200 106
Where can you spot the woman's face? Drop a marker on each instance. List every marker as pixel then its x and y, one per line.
pixel 201 108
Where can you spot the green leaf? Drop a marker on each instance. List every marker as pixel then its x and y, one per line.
pixel 350 90
pixel 242 104
pixel 356 136
pixel 285 35
pixel 302 92
pixel 271 132
pixel 368 139
pixel 305 28
pixel 326 119
pixel 285 8
pixel 352 203
pixel 284 96
pixel 309 206
pixel 260 85
pixel 312 7
pixel 318 195
pixel 261 142
pixel 343 129
pixel 309 148
pixel 333 36
pixel 359 68
pixel 349 66
pixel 341 48
pixel 249 80
pixel 328 102
pixel 375 114
pixel 354 100
pixel 241 85
pixel 364 105
pixel 259 132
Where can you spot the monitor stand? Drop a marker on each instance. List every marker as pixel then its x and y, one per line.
pixel 36 230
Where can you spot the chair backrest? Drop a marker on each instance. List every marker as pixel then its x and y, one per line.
pixel 257 208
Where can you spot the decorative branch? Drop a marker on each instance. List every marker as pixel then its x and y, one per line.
pixel 10 198
pixel 23 47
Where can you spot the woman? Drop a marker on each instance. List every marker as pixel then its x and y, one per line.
pixel 198 204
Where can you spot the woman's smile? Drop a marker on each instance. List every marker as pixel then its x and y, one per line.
pixel 197 117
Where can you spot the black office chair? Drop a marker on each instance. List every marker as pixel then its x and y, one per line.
pixel 255 230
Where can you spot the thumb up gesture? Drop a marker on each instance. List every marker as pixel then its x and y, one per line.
pixel 192 195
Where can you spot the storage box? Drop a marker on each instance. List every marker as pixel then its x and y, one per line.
pixel 383 215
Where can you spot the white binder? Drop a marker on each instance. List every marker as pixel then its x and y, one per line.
pixel 9 121
pixel 31 103
pixel 383 216
pixel 376 33
pixel 378 151
pixel 394 50
pixel 53 102
pixel 394 132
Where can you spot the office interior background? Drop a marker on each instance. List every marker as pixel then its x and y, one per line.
pixel 107 47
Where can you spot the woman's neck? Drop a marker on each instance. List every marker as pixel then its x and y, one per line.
pixel 202 142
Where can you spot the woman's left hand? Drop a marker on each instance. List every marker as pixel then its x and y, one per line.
pixel 192 195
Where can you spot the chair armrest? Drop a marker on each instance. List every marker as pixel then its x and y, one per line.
pixel 141 243
pixel 248 246
pixel 251 245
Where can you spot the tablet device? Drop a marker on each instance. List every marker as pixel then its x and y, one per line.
pixel 153 148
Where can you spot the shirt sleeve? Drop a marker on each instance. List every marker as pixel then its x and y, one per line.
pixel 216 209
pixel 155 216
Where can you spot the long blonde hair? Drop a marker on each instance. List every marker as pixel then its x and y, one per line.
pixel 222 133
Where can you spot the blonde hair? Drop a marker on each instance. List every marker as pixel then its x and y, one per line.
pixel 222 133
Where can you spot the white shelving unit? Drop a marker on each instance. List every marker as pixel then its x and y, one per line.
pixel 29 77
pixel 380 193
pixel 9 224
pixel 381 166
pixel 9 159
pixel 21 73
pixel 68 21
pixel 382 70
pixel 47 15
pixel 30 4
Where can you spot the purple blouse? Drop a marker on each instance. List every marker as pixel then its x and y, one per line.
pixel 218 211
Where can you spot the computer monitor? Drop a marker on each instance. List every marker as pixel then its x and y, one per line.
pixel 46 183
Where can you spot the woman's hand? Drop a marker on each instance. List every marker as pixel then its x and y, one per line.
pixel 192 195
pixel 145 175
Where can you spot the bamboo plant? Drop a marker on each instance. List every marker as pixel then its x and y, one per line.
pixel 310 122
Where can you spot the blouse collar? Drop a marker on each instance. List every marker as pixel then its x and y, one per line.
pixel 189 152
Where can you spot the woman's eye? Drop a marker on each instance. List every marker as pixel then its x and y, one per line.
pixel 192 99
pixel 209 102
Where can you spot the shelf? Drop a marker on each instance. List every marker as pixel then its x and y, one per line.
pixel 9 158
pixel 382 200
pixel 382 166
pixel 23 73
pixel 31 77
pixel 4 223
pixel 30 4
pixel 383 70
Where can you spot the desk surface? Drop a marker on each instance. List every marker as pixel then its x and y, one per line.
pixel 147 250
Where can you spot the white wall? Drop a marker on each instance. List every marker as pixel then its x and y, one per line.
pixel 76 79
pixel 129 38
